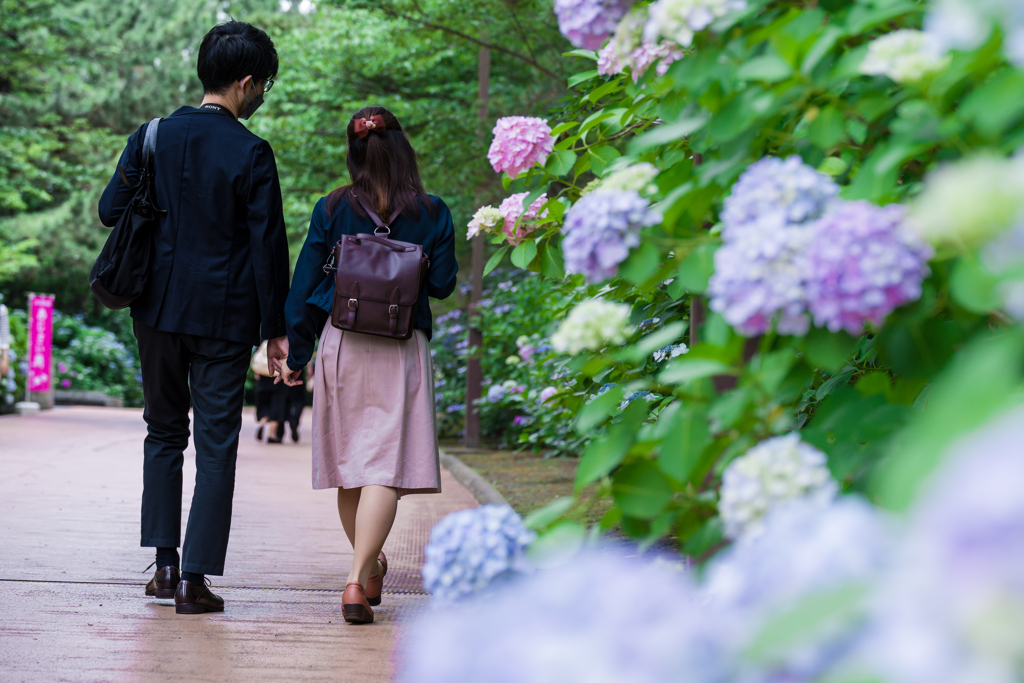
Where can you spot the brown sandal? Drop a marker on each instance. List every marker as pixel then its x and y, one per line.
pixel 375 584
pixel 354 605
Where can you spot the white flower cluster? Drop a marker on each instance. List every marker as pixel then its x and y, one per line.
pixel 486 219
pixel 592 325
pixel 777 470
pixel 669 352
pixel 679 20
pixel 905 56
pixel 636 177
pixel 966 203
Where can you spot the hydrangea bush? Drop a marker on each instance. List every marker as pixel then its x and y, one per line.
pixel 825 209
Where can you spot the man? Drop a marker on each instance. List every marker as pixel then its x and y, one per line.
pixel 217 285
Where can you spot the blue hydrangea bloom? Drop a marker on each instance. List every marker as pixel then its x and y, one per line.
pixel 601 228
pixel 471 550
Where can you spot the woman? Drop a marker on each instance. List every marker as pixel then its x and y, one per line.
pixel 374 431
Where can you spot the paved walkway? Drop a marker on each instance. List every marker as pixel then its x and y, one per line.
pixel 72 606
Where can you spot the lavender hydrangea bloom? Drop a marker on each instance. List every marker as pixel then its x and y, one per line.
pixel 758 275
pixel 588 23
pixel 601 228
pixel 599 619
pixel 470 550
pixel 965 24
pixel 952 610
pixel 861 265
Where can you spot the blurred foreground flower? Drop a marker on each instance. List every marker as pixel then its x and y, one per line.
pixel 772 472
pixel 599 619
pixel 905 56
pixel 679 20
pixel 669 352
pixel 635 178
pixel 966 24
pixel 1004 258
pixel 590 326
pixel 588 23
pixel 861 265
pixel 470 550
pixel 968 202
pixel 953 610
pixel 601 228
pixel 520 142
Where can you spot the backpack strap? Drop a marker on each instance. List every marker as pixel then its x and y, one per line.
pixel 149 146
pixel 376 219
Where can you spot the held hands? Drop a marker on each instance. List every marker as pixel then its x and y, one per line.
pixel 277 353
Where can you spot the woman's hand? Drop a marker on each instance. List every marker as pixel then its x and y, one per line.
pixel 289 377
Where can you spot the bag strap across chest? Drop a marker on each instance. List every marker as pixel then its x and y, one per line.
pixel 386 227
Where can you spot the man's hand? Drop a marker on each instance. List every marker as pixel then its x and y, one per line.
pixel 277 353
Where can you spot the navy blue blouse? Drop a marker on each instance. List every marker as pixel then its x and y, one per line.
pixel 312 292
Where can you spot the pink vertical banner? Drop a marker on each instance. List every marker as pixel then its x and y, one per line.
pixel 40 342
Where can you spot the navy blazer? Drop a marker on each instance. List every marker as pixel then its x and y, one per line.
pixel 312 293
pixel 219 266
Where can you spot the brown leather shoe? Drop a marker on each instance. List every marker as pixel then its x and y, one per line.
pixel 354 605
pixel 375 584
pixel 164 583
pixel 196 598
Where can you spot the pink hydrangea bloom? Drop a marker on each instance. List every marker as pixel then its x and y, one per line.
pixel 512 207
pixel 588 23
pixel 546 393
pixel 520 142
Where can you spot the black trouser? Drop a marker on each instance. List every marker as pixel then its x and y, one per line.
pixel 215 370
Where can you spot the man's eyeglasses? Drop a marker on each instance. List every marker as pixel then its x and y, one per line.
pixel 268 85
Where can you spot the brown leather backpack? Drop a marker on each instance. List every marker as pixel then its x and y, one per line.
pixel 376 281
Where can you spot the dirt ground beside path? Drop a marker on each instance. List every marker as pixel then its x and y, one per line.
pixel 71 572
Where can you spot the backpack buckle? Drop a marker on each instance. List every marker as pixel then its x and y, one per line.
pixel 353 303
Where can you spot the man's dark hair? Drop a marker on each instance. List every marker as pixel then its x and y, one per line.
pixel 232 51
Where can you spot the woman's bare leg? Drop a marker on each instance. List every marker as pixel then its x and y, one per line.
pixel 375 514
pixel 348 502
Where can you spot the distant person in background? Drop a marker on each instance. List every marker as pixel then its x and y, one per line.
pixel 270 408
pixel 216 286
pixel 5 339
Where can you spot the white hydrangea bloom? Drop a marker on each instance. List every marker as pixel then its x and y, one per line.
pixel 905 56
pixel 777 470
pixel 679 20
pixel 636 177
pixel 592 325
pixel 486 219
pixel 968 202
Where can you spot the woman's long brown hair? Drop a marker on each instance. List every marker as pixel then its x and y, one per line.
pixel 383 169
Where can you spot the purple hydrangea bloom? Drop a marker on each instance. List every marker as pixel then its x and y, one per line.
pixel 601 228
pixel 598 618
pixel 495 393
pixel 588 23
pixel 766 226
pixel 470 550
pixel 861 264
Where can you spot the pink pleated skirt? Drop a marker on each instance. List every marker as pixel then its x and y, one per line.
pixel 373 413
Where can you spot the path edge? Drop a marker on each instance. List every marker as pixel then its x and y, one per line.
pixel 482 490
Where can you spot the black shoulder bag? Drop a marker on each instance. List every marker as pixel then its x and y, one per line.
pixel 119 274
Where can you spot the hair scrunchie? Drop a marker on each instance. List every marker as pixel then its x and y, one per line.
pixel 363 127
